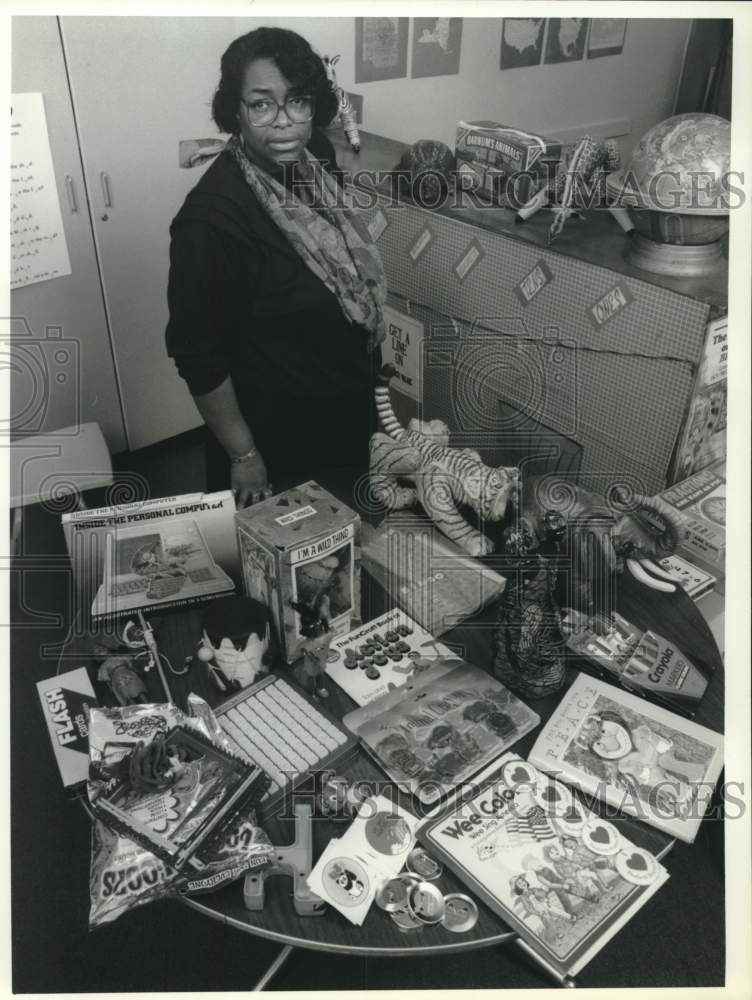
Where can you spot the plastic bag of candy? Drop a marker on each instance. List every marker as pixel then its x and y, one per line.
pixel 139 770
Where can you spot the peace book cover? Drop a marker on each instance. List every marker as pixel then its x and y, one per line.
pixel 563 878
pixel 637 757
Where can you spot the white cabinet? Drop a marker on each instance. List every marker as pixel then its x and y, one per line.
pixel 120 93
pixel 139 85
pixel 62 371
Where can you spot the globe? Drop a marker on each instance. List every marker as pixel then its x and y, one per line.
pixel 675 188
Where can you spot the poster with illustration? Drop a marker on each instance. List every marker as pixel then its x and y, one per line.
pixel 521 42
pixel 565 39
pixel 436 46
pixel 563 878
pixel 380 48
pixel 636 756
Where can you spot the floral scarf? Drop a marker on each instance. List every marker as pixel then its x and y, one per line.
pixel 321 225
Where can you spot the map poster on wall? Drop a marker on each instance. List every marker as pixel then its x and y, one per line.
pixel 565 39
pixel 436 46
pixel 521 42
pixel 403 348
pixel 606 36
pixel 380 48
pixel 38 250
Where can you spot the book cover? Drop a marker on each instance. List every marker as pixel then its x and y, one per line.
pixel 441 728
pixel 91 534
pixel 637 757
pixel 382 655
pixel 701 500
pixel 560 876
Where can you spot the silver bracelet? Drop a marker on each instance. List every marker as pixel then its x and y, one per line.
pixel 237 459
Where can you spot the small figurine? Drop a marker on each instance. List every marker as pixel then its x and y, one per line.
pixel 235 641
pixel 346 112
pixel 314 627
pixel 127 686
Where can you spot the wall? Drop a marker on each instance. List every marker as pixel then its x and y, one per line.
pixel 638 85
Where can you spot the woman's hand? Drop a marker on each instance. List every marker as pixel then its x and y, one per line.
pixel 249 481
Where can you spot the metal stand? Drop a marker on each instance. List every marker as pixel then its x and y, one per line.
pixel 273 969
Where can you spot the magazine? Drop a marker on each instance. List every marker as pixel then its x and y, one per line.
pixel 441 727
pixel 162 552
pixel 636 756
pixel 563 878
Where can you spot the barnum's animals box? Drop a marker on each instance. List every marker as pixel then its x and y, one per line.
pixel 302 547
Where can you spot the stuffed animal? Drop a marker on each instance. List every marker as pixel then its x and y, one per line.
pixel 417 465
pixel 346 112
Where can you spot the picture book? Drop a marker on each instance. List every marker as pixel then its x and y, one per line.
pixel 441 727
pixel 98 544
pixel 159 567
pixel 382 655
pixel 560 876
pixel 637 757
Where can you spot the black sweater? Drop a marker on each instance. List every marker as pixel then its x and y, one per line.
pixel 242 302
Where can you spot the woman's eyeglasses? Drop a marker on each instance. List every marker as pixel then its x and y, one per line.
pixel 264 110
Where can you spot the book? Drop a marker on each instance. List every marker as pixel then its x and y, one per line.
pixel 159 553
pixel 441 727
pixel 702 439
pixel 701 500
pixel 637 757
pixel 382 655
pixel 66 699
pixel 560 876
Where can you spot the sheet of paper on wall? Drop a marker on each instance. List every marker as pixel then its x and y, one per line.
pixel 403 348
pixel 37 240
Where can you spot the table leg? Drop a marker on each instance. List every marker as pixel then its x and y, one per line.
pixel 273 969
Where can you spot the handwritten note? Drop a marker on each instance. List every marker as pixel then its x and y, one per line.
pixel 38 250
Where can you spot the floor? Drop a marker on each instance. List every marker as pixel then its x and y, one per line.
pixel 168 947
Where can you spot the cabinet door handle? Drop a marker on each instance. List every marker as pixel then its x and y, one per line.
pixel 71 191
pixel 106 194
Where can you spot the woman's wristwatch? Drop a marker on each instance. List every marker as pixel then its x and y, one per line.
pixel 237 459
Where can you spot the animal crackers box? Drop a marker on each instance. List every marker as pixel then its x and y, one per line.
pixel 302 547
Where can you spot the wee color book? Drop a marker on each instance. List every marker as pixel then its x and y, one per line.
pixel 561 877
pixel 637 757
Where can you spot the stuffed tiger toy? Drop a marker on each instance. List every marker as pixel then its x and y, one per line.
pixel 438 477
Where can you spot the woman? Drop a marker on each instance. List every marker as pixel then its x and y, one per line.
pixel 275 290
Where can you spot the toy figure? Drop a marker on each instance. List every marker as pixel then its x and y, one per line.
pixel 346 113
pixel 127 686
pixel 317 640
pixel 439 477
pixel 235 641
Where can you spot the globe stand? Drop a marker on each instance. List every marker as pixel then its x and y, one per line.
pixel 680 261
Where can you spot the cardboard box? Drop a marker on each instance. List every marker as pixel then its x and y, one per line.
pixel 66 700
pixel 495 153
pixel 302 546
pixel 701 499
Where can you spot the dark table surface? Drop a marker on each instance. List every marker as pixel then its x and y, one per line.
pixel 675 616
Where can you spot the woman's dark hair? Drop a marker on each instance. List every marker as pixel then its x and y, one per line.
pixel 294 58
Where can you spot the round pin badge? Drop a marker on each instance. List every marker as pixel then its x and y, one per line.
pixel 421 862
pixel 554 798
pixel 518 772
pixel 406 921
pixel 346 881
pixel 388 833
pixel 426 902
pixel 601 837
pixel 460 913
pixel 637 866
pixel 392 895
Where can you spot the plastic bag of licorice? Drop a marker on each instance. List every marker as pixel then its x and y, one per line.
pixel 129 748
